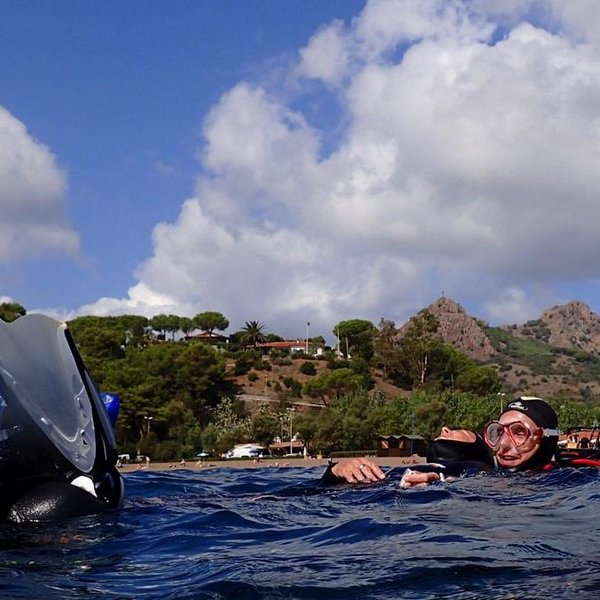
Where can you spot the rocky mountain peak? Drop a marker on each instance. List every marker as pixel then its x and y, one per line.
pixel 573 325
pixel 460 330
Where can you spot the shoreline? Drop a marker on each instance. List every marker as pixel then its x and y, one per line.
pixel 203 465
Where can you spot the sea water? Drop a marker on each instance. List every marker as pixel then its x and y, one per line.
pixel 274 533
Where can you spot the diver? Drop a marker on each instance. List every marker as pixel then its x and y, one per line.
pixel 524 438
pixel 57 447
pixel 453 453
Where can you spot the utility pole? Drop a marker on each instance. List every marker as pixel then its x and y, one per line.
pixel 307 326
pixel 291 414
pixel 501 395
pixel 148 419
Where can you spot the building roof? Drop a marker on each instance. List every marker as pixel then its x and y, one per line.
pixel 283 345
pixel 206 335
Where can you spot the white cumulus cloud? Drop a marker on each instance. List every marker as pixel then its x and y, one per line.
pixel 32 196
pixel 467 163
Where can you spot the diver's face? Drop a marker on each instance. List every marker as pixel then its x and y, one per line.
pixel 508 454
pixel 458 435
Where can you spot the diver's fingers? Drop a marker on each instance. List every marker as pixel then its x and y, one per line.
pixel 347 470
pixel 357 470
pixel 371 471
pixel 415 478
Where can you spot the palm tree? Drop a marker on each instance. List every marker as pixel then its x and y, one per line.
pixel 252 333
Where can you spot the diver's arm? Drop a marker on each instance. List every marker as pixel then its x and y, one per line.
pixel 328 477
pixel 421 475
pixel 352 470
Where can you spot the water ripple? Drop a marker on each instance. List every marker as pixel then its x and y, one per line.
pixel 274 533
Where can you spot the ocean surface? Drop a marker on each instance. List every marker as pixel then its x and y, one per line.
pixel 273 533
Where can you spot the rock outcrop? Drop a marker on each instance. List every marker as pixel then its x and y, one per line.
pixel 572 325
pixel 460 330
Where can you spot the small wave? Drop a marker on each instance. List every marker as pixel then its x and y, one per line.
pixel 265 533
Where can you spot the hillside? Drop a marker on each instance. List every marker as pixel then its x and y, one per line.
pixel 556 355
pixel 572 326
pixel 461 331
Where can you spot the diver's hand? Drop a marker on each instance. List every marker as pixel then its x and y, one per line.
pixel 358 470
pixel 416 478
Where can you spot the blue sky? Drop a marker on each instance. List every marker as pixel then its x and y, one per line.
pixel 299 161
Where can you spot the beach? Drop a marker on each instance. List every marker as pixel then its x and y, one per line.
pixel 276 463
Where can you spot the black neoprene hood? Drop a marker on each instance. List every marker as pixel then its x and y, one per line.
pixel 543 415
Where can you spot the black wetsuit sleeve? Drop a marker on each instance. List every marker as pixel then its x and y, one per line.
pixel 449 469
pixel 329 478
pixel 465 468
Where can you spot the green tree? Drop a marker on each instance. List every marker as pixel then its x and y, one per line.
pixel 201 379
pixel 131 331
pixel 308 368
pixel 186 325
pixel 134 329
pixel 10 311
pixel 306 426
pixel 388 358
pixel 165 324
pixel 479 380
pixel 332 385
pixel 209 321
pixel 470 411
pixel 350 424
pixel 265 426
pixel 429 418
pixel 417 344
pixel 397 416
pixel 150 378
pixel 101 343
pixel 328 434
pixel 229 426
pixel 145 380
pixel 160 323
pixel 451 369
pixel 356 337
pixel 172 325
pixel 181 427
pixel 572 413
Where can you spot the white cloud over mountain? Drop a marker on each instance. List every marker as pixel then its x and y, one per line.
pixel 467 162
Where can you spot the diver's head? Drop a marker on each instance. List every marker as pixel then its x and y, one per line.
pixel 525 436
pixel 458 445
